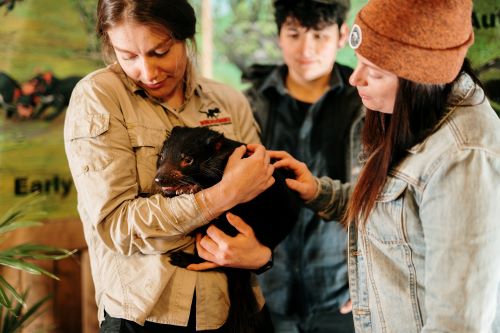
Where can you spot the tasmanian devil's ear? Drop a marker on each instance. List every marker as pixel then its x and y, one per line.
pixel 215 140
pixel 176 129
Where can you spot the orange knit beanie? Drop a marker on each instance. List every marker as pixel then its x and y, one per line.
pixel 420 40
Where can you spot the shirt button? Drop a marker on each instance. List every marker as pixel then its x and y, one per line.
pixel 85 168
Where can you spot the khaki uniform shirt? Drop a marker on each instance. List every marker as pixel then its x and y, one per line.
pixel 113 134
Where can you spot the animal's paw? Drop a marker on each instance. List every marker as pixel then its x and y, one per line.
pixel 183 259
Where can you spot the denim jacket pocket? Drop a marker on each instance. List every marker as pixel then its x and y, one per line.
pixel 84 135
pixel 147 143
pixel 390 260
pixel 386 220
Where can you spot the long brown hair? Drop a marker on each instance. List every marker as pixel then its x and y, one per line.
pixel 175 17
pixel 386 138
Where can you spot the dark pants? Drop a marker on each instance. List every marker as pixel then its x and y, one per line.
pixel 118 325
pixel 332 322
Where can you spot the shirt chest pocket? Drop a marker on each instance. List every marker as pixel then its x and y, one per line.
pixel 147 143
pixel 86 137
pixel 386 222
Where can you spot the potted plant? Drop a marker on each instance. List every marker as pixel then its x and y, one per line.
pixel 14 312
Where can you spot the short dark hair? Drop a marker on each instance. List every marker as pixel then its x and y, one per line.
pixel 311 14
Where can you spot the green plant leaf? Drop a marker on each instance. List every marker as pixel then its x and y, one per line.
pixel 5 302
pixel 25 266
pixel 13 225
pixel 23 319
pixel 25 213
pixel 7 286
pixel 11 316
pixel 14 314
pixel 13 321
pixel 35 251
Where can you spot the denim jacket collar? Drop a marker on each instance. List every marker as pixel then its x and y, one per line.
pixel 463 91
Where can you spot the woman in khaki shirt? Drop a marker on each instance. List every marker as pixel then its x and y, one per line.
pixel 116 122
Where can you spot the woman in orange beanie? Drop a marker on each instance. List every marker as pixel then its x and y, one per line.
pixel 424 217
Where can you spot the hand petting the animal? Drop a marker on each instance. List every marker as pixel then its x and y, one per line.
pixel 241 251
pixel 245 178
pixel 244 250
pixel 304 183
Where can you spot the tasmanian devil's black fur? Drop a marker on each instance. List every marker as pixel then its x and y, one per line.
pixel 194 158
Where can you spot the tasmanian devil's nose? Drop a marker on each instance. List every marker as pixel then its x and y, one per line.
pixel 158 180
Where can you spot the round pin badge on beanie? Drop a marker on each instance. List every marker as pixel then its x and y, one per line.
pixel 355 37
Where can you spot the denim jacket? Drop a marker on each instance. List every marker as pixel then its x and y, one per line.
pixel 428 257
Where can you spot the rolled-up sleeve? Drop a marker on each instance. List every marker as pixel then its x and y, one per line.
pixel 460 214
pixel 104 168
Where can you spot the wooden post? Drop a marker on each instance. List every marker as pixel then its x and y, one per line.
pixel 207 43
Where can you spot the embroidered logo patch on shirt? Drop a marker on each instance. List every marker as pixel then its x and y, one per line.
pixel 212 116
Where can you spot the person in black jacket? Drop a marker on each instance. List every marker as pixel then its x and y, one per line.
pixel 307 107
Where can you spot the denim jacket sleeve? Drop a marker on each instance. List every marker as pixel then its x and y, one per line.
pixel 460 215
pixel 105 170
pixel 331 198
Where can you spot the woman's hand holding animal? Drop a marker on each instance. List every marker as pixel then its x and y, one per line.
pixel 245 178
pixel 241 251
pixel 304 182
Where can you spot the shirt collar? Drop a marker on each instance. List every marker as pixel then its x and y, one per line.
pixel 132 86
pixel 276 80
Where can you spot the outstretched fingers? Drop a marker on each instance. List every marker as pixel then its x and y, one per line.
pixel 282 159
pixel 304 182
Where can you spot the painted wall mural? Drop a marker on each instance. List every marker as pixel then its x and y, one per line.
pixel 45 51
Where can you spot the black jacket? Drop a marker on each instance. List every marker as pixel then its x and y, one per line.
pixel 309 277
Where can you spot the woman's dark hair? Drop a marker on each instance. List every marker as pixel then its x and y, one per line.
pixel 177 17
pixel 386 138
pixel 309 13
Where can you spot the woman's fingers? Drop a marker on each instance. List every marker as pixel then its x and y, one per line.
pixel 245 178
pixel 202 266
pixel 239 224
pixel 237 155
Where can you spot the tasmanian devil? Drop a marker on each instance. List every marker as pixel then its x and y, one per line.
pixel 194 158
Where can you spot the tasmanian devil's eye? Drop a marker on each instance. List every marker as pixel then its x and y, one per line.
pixel 159 160
pixel 186 160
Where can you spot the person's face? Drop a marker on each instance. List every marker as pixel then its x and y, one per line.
pixel 376 87
pixel 153 59
pixel 309 53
